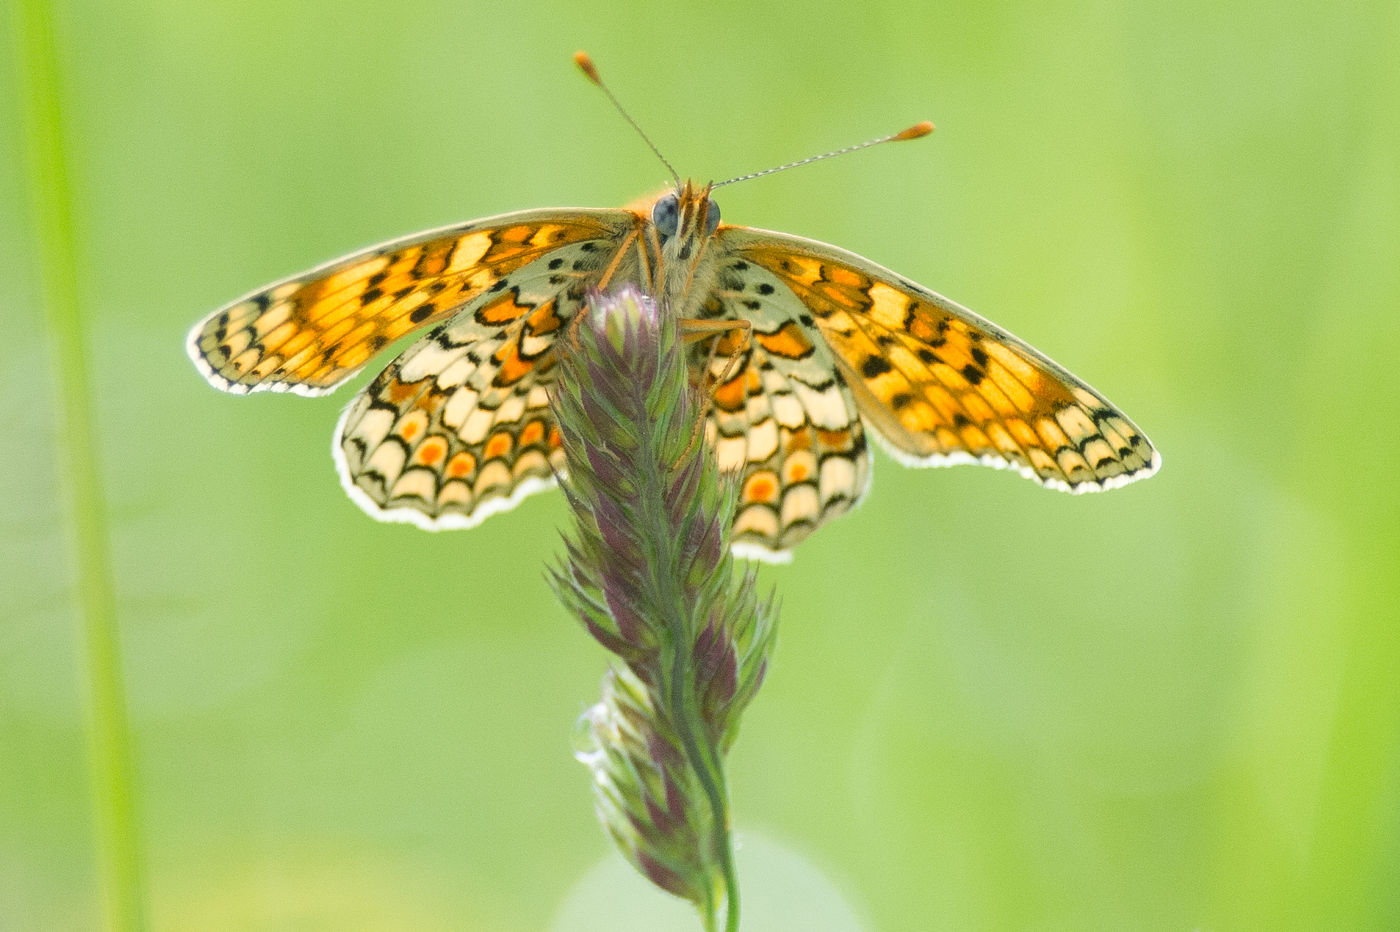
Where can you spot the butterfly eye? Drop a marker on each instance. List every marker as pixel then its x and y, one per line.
pixel 665 214
pixel 711 217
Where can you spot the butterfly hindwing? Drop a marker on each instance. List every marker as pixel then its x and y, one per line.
pixel 941 385
pixel 459 426
pixel 781 417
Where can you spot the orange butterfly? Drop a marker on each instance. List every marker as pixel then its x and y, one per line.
pixel 825 345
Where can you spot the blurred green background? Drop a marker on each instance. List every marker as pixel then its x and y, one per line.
pixel 1175 706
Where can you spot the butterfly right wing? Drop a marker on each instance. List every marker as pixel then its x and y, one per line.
pixel 459 427
pixel 309 333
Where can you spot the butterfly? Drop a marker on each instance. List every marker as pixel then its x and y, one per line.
pixel 815 351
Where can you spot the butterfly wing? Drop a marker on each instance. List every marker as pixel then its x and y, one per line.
pixel 459 426
pixel 940 384
pixel 309 333
pixel 782 418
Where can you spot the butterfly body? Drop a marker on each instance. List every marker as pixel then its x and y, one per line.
pixel 824 343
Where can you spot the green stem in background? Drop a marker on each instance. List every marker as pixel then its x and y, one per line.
pixel 109 744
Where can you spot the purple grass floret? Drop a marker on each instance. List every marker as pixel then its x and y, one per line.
pixel 648 571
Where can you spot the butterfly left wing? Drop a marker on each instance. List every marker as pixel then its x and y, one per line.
pixel 459 426
pixel 309 333
pixel 940 384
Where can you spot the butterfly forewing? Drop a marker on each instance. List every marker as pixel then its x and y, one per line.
pixel 941 385
pixel 309 333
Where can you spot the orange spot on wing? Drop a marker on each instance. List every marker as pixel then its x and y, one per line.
pixel 434 262
pixel 544 319
pixel 513 367
pixel 732 342
pixel 551 234
pixel 431 452
pixel 461 465
pixel 503 310
pixel 731 395
pixel 844 297
pixel 761 487
pixel 922 327
pixel 789 342
pixel 532 433
pixel 497 446
pixel 518 234
pixel 842 276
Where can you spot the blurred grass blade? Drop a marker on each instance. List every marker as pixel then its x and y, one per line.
pixel 51 204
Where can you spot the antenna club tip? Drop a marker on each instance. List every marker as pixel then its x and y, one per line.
pixel 913 132
pixel 585 64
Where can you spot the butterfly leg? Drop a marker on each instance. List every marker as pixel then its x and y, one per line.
pixel 694 330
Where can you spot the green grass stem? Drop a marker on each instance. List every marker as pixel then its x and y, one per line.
pixel 109 742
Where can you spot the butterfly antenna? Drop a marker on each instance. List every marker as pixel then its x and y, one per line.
pixel 590 71
pixel 913 132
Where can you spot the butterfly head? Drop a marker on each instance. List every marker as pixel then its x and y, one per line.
pixel 684 215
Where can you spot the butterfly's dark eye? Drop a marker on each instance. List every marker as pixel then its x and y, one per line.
pixel 711 217
pixel 665 214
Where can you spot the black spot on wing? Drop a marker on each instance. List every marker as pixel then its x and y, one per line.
pixel 874 366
